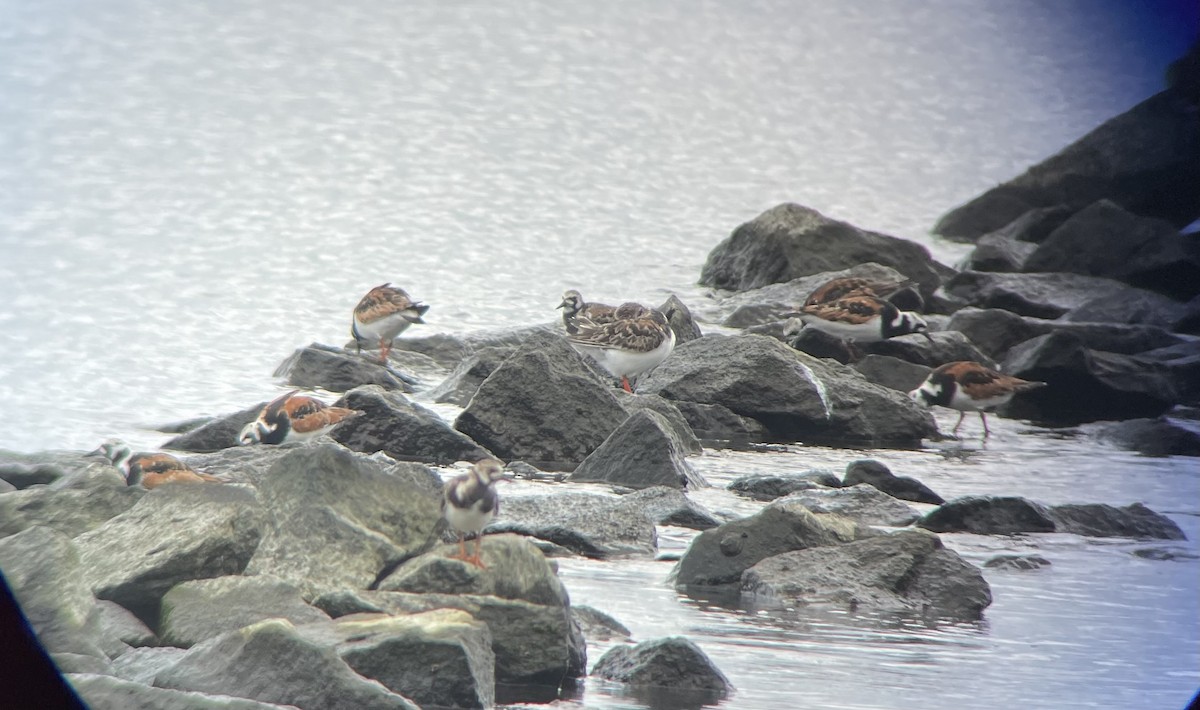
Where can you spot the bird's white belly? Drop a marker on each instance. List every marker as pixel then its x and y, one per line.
pixel 862 332
pixel 627 363
pixel 385 328
pixel 964 403
pixel 470 519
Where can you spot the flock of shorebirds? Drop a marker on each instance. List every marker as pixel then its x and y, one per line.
pixel 626 340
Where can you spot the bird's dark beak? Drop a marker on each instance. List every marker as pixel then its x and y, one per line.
pixel 562 305
pixel 96 452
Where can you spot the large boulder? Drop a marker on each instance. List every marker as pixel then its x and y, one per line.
pixel 797 397
pixel 641 453
pixel 677 423
pixel 1147 160
pixel 401 429
pixel 272 662
pixel 717 425
pixel 940 348
pixel 862 503
pixel 680 318
pixel 217 434
pixel 338 519
pixel 335 370
pixel 994 515
pixel 22 470
pixel 907 571
pixel 997 331
pixel 585 523
pixel 789 241
pixel 874 473
pixel 892 372
pixel 103 692
pixel 770 486
pixel 544 406
pixel 70 511
pixel 173 534
pixel 1154 437
pixel 1105 240
pixel 719 556
pixel 999 252
pixel 1134 305
pixel 463 381
pixel 667 672
pixel 1085 385
pixel 197 611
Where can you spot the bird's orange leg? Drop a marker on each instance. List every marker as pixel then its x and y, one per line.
pixel 385 347
pixel 477 558
pixel 462 548
pixel 986 432
pixel 957 425
pixel 625 384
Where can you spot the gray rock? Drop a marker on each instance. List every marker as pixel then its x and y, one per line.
pixel 117 622
pixel 719 556
pixel 141 665
pixel 1053 295
pixel 102 692
pixel 273 663
pixel 69 511
pixel 464 380
pixel 6 487
pixel 220 433
pixel 679 316
pixel 1100 520
pixel 907 571
pixel 1152 437
pixel 337 519
pixel 717 424
pixel 401 429
pixel 1105 240
pixel 1007 515
pixel 996 331
pixel 767 486
pixel 22 470
pixel 666 672
pixel 584 523
pixel 1086 385
pixel 943 347
pixel 670 506
pixel 892 372
pixel 598 625
pixel 1133 306
pixel 797 397
pixel 239 464
pixel 876 474
pixel 999 252
pixel 1036 224
pixel 680 430
pixel 1182 363
pixel 862 503
pixel 1144 160
pixel 172 535
pixel 543 405
pixel 335 370
pixel 642 452
pixel 790 240
pixel 43 569
pixel 81 663
pixel 197 611
pixel 1017 562
pixel 447 350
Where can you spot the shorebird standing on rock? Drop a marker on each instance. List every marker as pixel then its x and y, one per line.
pixel 577 311
pixel 636 342
pixel 847 286
pixel 970 387
pixel 385 312
pixel 470 502
pixel 293 417
pixel 149 470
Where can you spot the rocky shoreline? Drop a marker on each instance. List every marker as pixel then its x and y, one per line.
pixel 318 576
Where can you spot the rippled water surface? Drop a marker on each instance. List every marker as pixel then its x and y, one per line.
pixel 189 191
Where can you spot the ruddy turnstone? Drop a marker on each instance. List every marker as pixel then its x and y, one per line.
pixel 969 387
pixel 293 417
pixel 151 470
pixel 864 319
pixel 470 502
pixel 847 286
pixel 385 312
pixel 575 310
pixel 638 340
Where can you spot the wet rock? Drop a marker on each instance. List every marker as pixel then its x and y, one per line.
pixel 999 252
pixel 173 534
pixel 197 611
pixel 336 519
pixel 907 571
pixel 797 397
pixel 716 423
pixel 679 316
pixel 42 568
pixel 69 511
pixel 464 380
pixel 789 241
pixel 772 302
pixel 1017 562
pixel 584 523
pixel 943 347
pixel 766 486
pixel 989 515
pixel 335 370
pixel 997 331
pixel 140 665
pixel 640 453
pixel 542 405
pixel 438 658
pixel 599 626
pixel 874 473
pixel 1152 437
pixel 1100 520
pixel 102 692
pixel 1085 385
pixel 892 372
pixel 1105 240
pixel 401 429
pixel 861 503
pixel 220 433
pixel 671 506
pixel 666 672
pixel 1182 363
pixel 679 429
pixel 1144 160
pixel 719 556
pixel 272 662
pixel 1040 295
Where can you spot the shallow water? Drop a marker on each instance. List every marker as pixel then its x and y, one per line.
pixel 190 191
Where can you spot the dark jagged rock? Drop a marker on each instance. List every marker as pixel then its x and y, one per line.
pixel 1182 363
pixel 1132 306
pixel 892 372
pixel 666 672
pixel 640 453
pixel 1045 295
pixel 876 474
pixel 997 331
pixel 336 370
pixel 587 524
pixel 992 515
pixel 670 506
pixel 1105 240
pixel 943 347
pixel 797 397
pixel 719 556
pixel 789 241
pixel 680 430
pixel 597 625
pixel 220 433
pixel 1145 160
pixel 401 429
pixel 1085 385
pixel 460 386
pixel 680 318
pixel 1018 562
pixel 763 486
pixel 820 344
pixel 1152 437
pixel 1099 520
pixel 542 405
pixel 999 252
pixel 197 611
pixel 863 503
pixel 350 514
pixel 717 423
pixel 907 571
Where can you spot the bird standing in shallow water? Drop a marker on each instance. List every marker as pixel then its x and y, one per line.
pixel 151 470
pixel 293 417
pixel 385 312
pixel 970 387
pixel 470 502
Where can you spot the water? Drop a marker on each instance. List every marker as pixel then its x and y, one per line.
pixel 190 191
